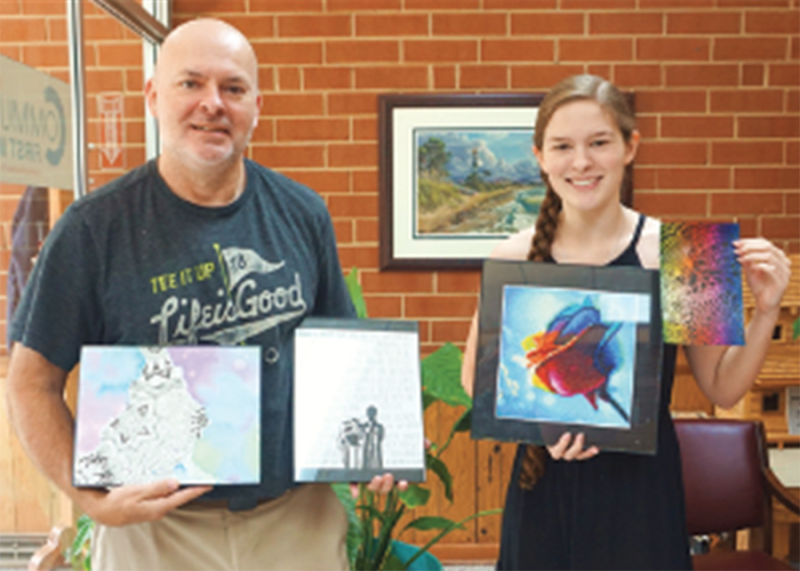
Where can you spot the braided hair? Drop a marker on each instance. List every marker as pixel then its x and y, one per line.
pixel 575 88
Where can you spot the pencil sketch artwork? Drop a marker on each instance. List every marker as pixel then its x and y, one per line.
pixel 568 355
pixel 361 442
pixel 140 420
pixel 476 181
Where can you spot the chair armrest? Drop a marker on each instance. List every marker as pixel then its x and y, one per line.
pixel 51 554
pixel 781 492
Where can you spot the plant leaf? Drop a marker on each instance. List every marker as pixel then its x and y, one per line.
pixel 428 522
pixel 796 328
pixel 440 469
pixel 354 532
pixel 463 423
pixel 427 400
pixel 356 293
pixel 441 376
pixel 415 496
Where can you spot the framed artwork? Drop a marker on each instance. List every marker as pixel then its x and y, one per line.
pixel 357 401
pixel 457 176
pixel 144 414
pixel 568 349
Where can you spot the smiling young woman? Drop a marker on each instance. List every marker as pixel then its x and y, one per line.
pixel 572 507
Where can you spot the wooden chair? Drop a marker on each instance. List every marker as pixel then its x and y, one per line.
pixel 729 486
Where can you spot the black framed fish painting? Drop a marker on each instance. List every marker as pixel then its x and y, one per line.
pixel 566 348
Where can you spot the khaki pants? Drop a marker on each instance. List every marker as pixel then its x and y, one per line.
pixel 306 528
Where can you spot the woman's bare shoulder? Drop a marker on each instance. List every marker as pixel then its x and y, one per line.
pixel 514 247
pixel 649 246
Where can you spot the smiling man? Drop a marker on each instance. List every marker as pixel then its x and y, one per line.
pixel 200 246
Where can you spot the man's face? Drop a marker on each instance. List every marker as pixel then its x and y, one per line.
pixel 205 97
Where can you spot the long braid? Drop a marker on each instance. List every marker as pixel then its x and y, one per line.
pixel 546 223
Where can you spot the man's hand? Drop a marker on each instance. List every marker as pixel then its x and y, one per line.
pixel 138 503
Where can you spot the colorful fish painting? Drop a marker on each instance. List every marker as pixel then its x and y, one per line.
pixel 575 355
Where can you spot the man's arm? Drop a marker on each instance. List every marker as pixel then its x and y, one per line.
pixel 45 427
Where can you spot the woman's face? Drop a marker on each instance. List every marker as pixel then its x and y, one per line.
pixel 584 155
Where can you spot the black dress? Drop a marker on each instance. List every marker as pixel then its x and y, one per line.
pixel 613 511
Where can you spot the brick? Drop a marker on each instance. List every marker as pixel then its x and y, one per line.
pixel 134 80
pixel 772 23
pixel 8 7
pixel 713 23
pixel 738 203
pixel 742 153
pixel 458 282
pixel 318 129
pixel 365 181
pixel 266 77
pixel 520 4
pixel 622 23
pixel 701 75
pixel 673 49
pixel 664 153
pixel 702 127
pixel 119 55
pixel 352 103
pixel 483 77
pixel 253 26
pixel 670 101
pixel 795 49
pixel 647 126
pixel 284 53
pixel 283 156
pixel 792 152
pixel 768 126
pixel 43 7
pixel 353 205
pixel 327 78
pixel 366 231
pixel 748 49
pixel 314 26
pixel 207 7
pixel 343 229
pixel 444 77
pixel 295 105
pixel 23 29
pixel 781 227
pixel 784 74
pixel 408 77
pixel 554 24
pixel 13 52
pixel 358 257
pixel 614 50
pixel 670 203
pixel 600 70
pixel 676 4
pixel 45 55
pixel 365 129
pixel 97 80
pixel 397 282
pixel 541 76
pixel 772 178
pixel 450 331
pixel 440 306
pixel 440 50
pixel 792 202
pixel 353 155
pixel 357 5
pixel 753 3
pixel 598 4
pixel 693 178
pixel 637 75
pixel 322 181
pixel 753 74
pixel 391 25
pixel 517 50
pixel 288 79
pixel 476 24
pixel 354 51
pixel 438 5
pixel 384 306
pixel 744 100
pixel 275 6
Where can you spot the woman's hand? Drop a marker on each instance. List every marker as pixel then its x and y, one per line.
pixel 568 449
pixel 766 268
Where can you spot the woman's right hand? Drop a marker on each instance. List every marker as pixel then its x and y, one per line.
pixel 570 449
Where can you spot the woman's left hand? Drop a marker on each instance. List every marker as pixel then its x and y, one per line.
pixel 380 485
pixel 766 268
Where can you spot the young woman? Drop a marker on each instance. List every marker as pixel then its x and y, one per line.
pixel 573 507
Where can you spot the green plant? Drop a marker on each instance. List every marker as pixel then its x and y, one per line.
pixel 374 520
pixel 796 328
pixel 79 554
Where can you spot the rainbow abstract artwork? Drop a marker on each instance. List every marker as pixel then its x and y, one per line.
pixel 701 284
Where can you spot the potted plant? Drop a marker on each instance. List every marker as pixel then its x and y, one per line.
pixel 374 533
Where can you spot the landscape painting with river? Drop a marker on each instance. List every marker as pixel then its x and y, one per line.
pixel 478 181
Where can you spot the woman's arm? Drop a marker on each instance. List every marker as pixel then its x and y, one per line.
pixel 725 374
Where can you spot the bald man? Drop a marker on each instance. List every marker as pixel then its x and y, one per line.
pixel 200 246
